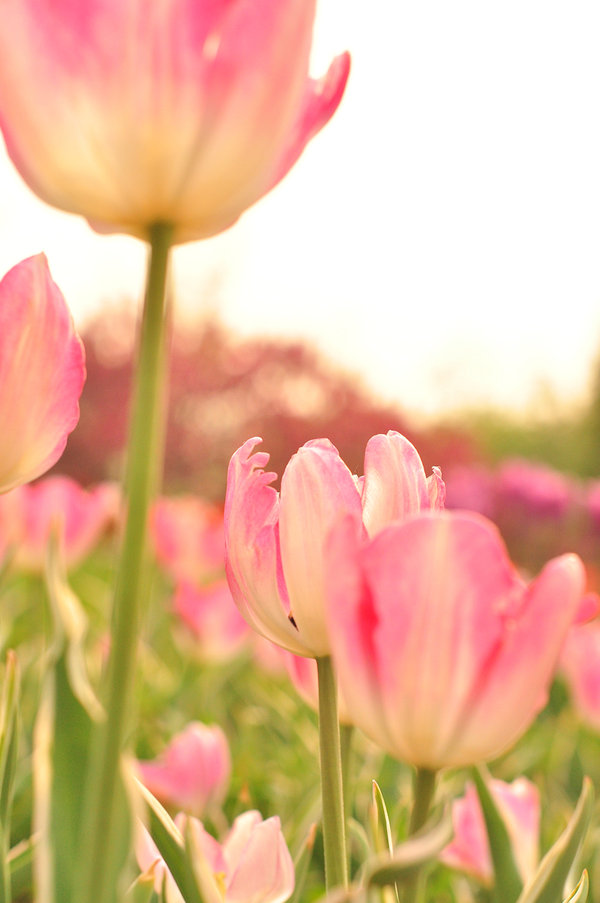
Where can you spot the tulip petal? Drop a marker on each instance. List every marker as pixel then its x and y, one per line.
pixel 395 485
pixel 259 865
pixel 321 99
pixel 253 566
pixel 42 372
pixel 516 684
pixel 440 586
pixel 353 625
pixel 316 490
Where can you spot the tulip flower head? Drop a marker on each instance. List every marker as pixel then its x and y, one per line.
pixel 469 851
pixel 29 515
pixel 275 541
pixel 580 664
pixel 193 773
pixel 253 865
pixel 187 535
pixel 186 112
pixel 217 630
pixel 42 372
pixel 445 653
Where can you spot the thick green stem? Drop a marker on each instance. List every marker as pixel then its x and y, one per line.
pixel 424 789
pixel 334 828
pixel 144 463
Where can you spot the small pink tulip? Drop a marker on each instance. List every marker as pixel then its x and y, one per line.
pixel 193 772
pixel 253 865
pixel 29 514
pixel 187 533
pixel 275 541
pixel 580 664
pixel 519 805
pixel 218 630
pixel 183 111
pixel 42 372
pixel 443 651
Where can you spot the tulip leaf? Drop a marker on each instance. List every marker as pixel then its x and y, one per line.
pixel 142 890
pixel 382 817
pixel 171 847
pixel 580 894
pixel 508 883
pixel 9 718
pixel 302 863
pixel 547 884
pixel 20 861
pixel 412 854
pixel 67 716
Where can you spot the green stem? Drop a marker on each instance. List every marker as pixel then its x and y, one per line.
pixel 424 789
pixel 144 462
pixel 334 829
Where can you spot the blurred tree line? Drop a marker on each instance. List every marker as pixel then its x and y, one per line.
pixel 222 391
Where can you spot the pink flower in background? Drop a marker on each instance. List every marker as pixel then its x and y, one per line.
pixel 592 502
pixel 471 487
pixel 302 672
pixel 534 489
pixel 193 772
pixel 184 111
pixel 29 514
pixel 519 805
pixel 443 651
pixel 187 533
pixel 580 664
pixel 275 541
pixel 218 630
pixel 252 865
pixel 42 372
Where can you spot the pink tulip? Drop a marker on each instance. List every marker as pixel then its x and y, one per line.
pixel 42 372
pixel 534 489
pixel 185 111
pixel 29 514
pixel 580 664
pixel 519 805
pixel 188 538
pixel 193 772
pixel 275 541
pixel 218 630
pixel 444 652
pixel 253 865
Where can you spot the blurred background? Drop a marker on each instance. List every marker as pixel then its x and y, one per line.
pixel 430 264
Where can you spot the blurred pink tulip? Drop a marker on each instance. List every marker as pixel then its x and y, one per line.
pixel 275 541
pixel 184 111
pixel 445 653
pixel 218 630
pixel 302 672
pixel 42 372
pixel 519 805
pixel 193 772
pixel 534 489
pixel 29 514
pixel 188 539
pixel 580 664
pixel 253 865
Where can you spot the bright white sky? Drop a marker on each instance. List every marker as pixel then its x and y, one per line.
pixel 440 238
